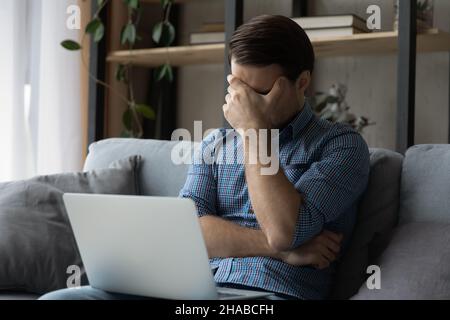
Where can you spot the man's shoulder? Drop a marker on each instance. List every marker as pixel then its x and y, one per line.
pixel 339 135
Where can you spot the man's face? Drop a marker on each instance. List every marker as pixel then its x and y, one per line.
pixel 261 80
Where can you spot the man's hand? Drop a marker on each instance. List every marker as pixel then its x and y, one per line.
pixel 246 109
pixel 319 252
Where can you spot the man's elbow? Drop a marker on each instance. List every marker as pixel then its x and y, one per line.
pixel 280 239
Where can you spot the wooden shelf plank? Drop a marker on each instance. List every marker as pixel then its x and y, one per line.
pixel 358 44
pixel 177 56
pixel 378 43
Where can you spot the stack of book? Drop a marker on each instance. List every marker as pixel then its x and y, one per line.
pixel 315 27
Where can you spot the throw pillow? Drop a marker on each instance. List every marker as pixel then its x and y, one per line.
pixel 36 241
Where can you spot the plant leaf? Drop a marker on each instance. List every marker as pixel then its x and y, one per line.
pixel 126 134
pixel 146 111
pixel 132 3
pixel 100 2
pixel 169 73
pixel 71 45
pixel 128 34
pixel 92 26
pixel 96 28
pixel 163 33
pixel 168 34
pixel 98 36
pixel 160 72
pixel 157 32
pixel 127 119
pixel 321 106
pixel 332 99
pixel 132 33
pixel 164 71
pixel 123 35
pixel 121 73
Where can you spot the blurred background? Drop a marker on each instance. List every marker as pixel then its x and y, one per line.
pixel 158 80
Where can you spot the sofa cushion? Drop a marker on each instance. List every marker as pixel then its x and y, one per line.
pixel 416 265
pixel 160 176
pixel 36 241
pixel 425 188
pixel 377 216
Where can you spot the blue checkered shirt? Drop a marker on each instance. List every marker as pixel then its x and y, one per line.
pixel 327 163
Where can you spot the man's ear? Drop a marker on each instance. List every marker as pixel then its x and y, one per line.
pixel 303 81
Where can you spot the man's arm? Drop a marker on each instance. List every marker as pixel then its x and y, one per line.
pixel 291 214
pixel 330 186
pixel 227 239
pixel 275 201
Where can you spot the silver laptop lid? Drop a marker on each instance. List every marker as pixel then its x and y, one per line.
pixel 148 246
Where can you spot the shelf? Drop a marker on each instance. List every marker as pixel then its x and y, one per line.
pixel 358 44
pixel 378 43
pixel 178 56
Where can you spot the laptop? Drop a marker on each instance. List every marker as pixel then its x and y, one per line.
pixel 145 246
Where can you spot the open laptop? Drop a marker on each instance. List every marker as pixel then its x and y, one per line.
pixel 145 246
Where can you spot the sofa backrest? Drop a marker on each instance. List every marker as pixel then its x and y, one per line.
pixel 159 176
pixel 425 190
pixel 377 217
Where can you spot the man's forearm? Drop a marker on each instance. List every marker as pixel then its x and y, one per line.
pixel 275 200
pixel 227 239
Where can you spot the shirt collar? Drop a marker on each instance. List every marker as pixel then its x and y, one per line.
pixel 295 127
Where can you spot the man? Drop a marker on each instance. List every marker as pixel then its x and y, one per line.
pixel 270 231
pixel 279 232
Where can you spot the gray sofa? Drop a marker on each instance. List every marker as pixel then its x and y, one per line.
pixel 403 224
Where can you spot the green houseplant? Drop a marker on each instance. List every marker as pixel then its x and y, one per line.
pixel 333 107
pixel 163 34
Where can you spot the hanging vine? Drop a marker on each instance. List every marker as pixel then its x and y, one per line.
pixel 163 34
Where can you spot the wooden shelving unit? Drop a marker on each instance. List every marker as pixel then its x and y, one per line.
pixel 177 56
pixel 405 44
pixel 358 44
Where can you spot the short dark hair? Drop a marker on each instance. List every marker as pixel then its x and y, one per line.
pixel 273 39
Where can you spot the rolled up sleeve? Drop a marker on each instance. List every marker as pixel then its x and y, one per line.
pixel 332 185
pixel 200 185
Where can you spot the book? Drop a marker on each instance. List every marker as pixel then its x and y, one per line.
pixel 207 37
pixel 313 22
pixel 332 32
pixel 212 27
pixel 315 27
pixel 338 21
pixel 219 37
